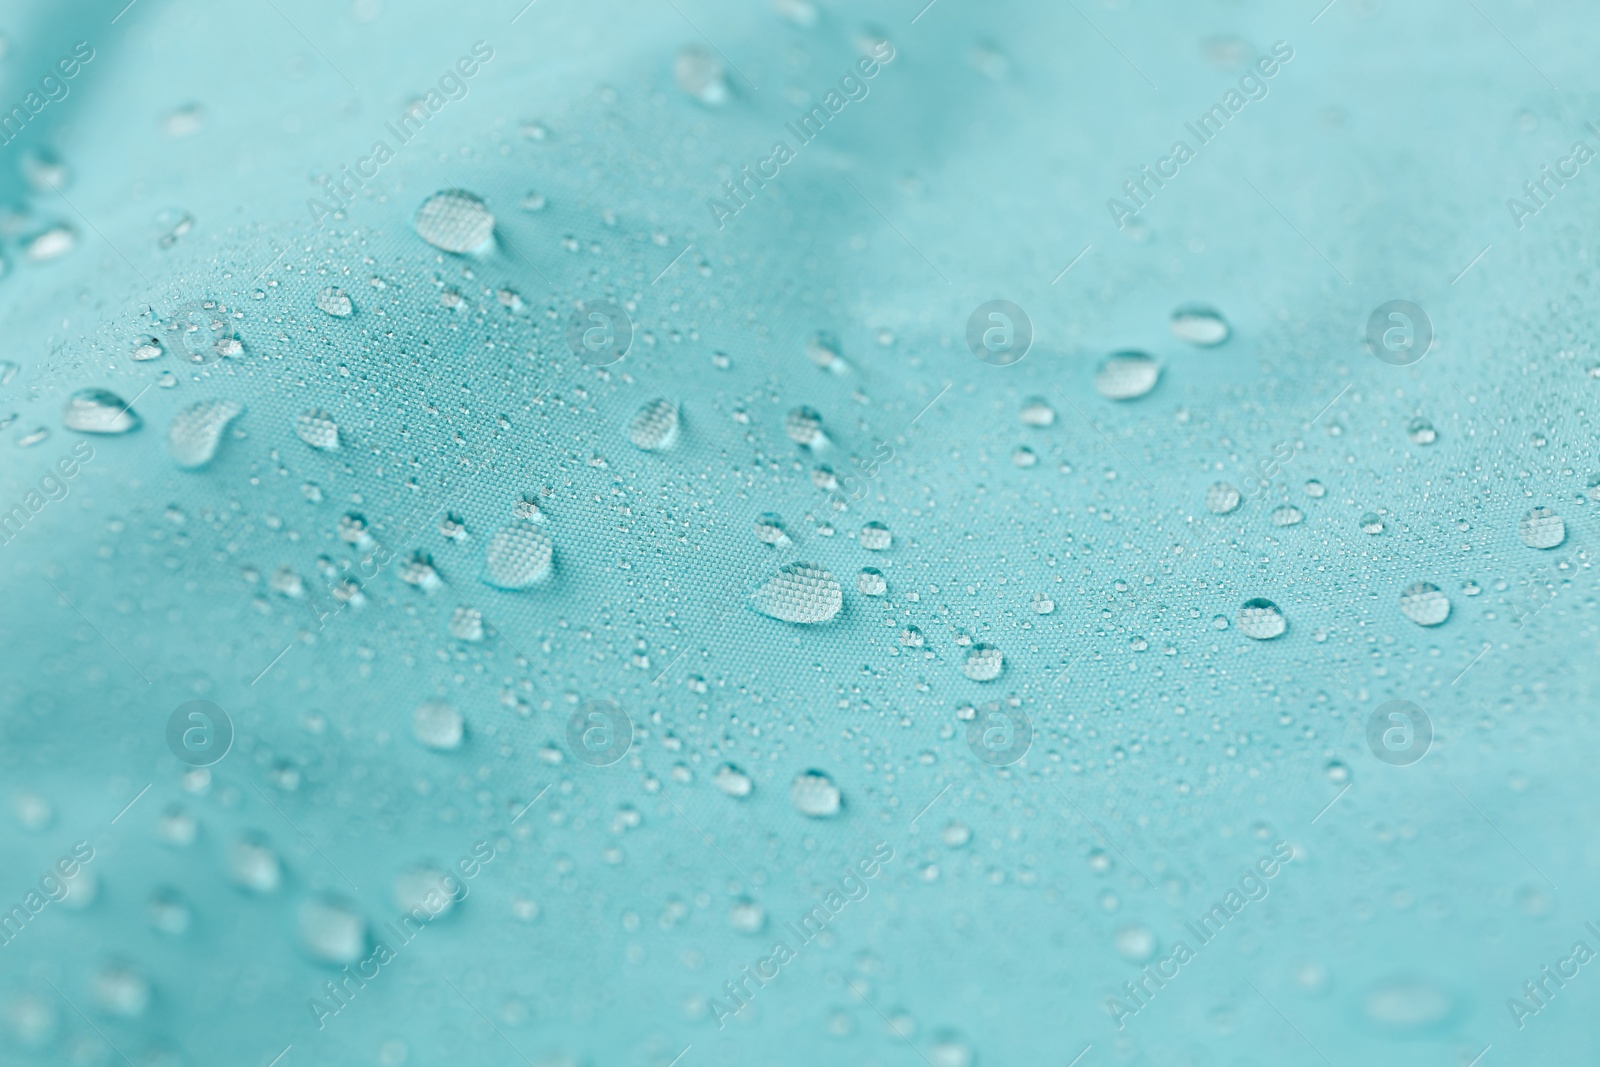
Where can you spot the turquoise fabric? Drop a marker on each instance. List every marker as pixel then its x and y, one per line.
pixel 1047 798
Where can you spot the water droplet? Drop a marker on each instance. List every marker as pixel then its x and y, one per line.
pixel 122 991
pixel 455 221
pixel 870 582
pixel 1036 411
pixel 1260 619
pixel 1371 523
pixel 1024 457
pixel 732 781
pixel 654 427
pixel 332 931
pixel 466 624
pixel 1199 325
pixel 336 302
pixel 196 431
pixel 1542 528
pixel 769 530
pixel 698 72
pixel 1424 604
pixel 1043 604
pixel 799 592
pixel 98 411
pixel 51 244
pixel 983 663
pixel 438 725
pixel 517 556
pixel 317 429
pixel 911 637
pixel 823 350
pixel 1287 515
pixel 747 917
pixel 1315 489
pixel 1406 1006
pixel 414 888
pixel 146 348
pixel 1136 944
pixel 1421 432
pixel 804 427
pixel 815 795
pixel 254 865
pixel 1222 498
pixel 875 537
pixel 1126 376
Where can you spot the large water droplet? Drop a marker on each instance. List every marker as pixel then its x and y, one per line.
pixel 983 663
pixel 197 430
pixel 517 556
pixel 98 411
pixel 317 429
pixel 1424 604
pixel 1222 498
pixel 732 781
pixel 336 302
pixel 698 72
pixel 654 427
pixel 254 865
pixel 875 537
pixel 1542 528
pixel 799 592
pixel 455 221
pixel 804 427
pixel 1126 376
pixel 814 794
pixel 1198 325
pixel 332 931
pixel 1261 620
pixel 438 725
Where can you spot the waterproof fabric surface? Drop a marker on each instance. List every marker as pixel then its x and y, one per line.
pixel 1232 704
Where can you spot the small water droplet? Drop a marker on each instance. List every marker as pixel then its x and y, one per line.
pixel 698 72
pixel 875 537
pixel 871 582
pixel 1036 411
pixel 332 931
pixel 317 429
pixel 654 427
pixel 1421 432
